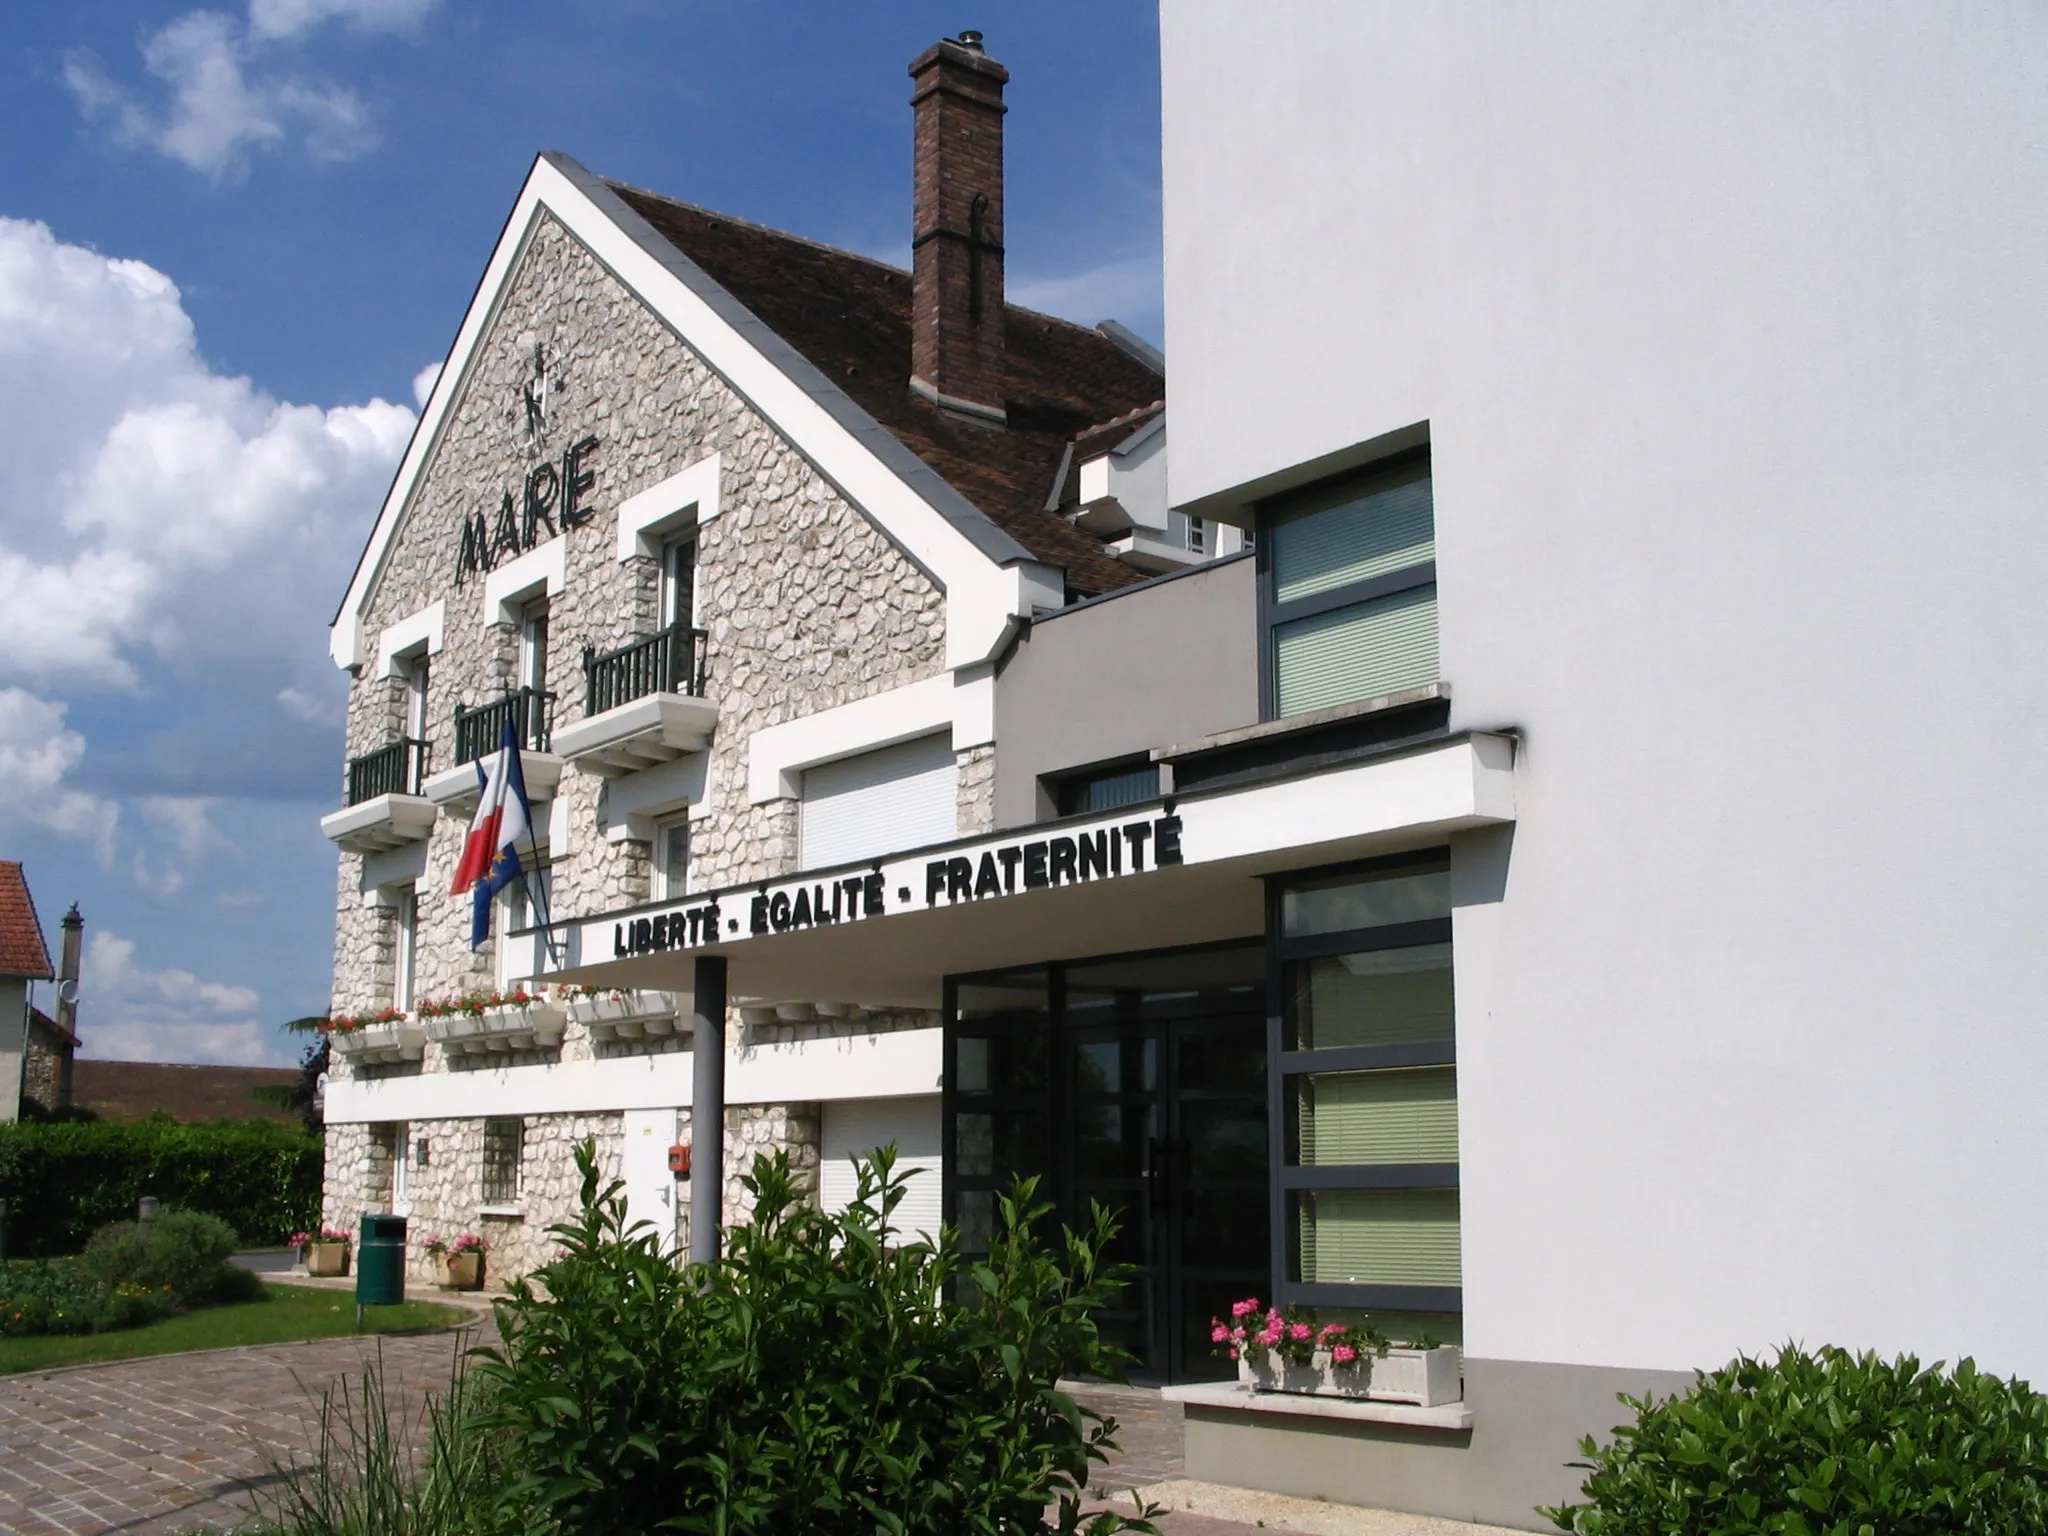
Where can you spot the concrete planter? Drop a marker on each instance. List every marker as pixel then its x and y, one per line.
pixel 373 1043
pixel 524 1027
pixel 626 1015
pixel 1424 1377
pixel 460 1272
pixel 327 1260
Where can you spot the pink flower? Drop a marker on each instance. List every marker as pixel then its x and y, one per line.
pixel 1343 1354
pixel 1244 1308
pixel 1219 1334
pixel 1270 1337
pixel 1233 1354
pixel 1299 1331
pixel 1332 1330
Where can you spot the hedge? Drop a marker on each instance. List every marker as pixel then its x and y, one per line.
pixel 64 1181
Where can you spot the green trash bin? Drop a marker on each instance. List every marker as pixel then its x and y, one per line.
pixel 380 1262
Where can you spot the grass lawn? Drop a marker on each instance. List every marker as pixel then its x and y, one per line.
pixel 290 1312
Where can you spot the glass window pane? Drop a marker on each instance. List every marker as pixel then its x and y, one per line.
pixel 1381 997
pixel 1011 1062
pixel 1113 1141
pixel 1122 1065
pixel 1378 1236
pixel 1344 902
pixel 997 1146
pixel 1317 549
pixel 1408 1115
pixel 1383 646
pixel 1020 996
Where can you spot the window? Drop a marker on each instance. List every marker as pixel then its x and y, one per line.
pixel 504 1150
pixel 671 859
pixel 1350 589
pixel 1370 1088
pixel 905 796
pixel 406 949
pixel 533 648
pixel 416 697
pixel 679 580
pixel 1107 788
pixel 527 954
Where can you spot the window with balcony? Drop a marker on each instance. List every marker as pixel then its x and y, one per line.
pixel 1350 588
pixel 671 660
pixel 1370 1089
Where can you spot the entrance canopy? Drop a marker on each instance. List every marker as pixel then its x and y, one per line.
pixel 1182 870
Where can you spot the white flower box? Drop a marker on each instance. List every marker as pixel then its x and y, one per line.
pixel 374 1043
pixel 613 1016
pixel 1424 1377
pixel 516 1027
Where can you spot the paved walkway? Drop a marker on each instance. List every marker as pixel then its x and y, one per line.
pixel 171 1445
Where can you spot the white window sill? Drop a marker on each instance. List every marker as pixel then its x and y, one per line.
pixel 507 1212
pixel 1447 1416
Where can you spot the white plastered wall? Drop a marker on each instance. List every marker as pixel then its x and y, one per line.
pixel 1728 325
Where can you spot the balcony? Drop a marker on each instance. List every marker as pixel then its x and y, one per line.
pixel 643 705
pixel 480 729
pixel 386 805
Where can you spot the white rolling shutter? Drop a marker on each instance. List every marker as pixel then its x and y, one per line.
pixel 899 797
pixel 855 1127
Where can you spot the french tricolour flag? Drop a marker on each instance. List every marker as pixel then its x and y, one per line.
pixel 490 855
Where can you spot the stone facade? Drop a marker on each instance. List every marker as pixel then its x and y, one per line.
pixel 806 604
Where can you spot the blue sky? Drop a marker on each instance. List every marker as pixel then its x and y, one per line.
pixel 231 239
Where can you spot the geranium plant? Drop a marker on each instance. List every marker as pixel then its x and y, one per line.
pixel 469 1242
pixel 477 1003
pixel 348 1024
pixel 435 1248
pixel 1293 1335
pixel 323 1235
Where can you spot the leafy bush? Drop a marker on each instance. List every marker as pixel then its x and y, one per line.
pixel 40 1296
pixel 1824 1444
pixel 63 1182
pixel 183 1252
pixel 815 1381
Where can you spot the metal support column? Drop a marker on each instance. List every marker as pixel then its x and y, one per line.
pixel 707 1108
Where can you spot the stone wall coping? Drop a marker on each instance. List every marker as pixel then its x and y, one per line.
pixel 1237 1399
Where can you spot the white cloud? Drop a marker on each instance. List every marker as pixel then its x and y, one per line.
pixel 220 107
pixel 1126 288
pixel 290 18
pixel 187 818
pixel 37 753
pixel 423 383
pixel 129 1013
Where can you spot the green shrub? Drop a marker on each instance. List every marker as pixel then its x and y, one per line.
pixel 183 1252
pixel 41 1296
pixel 1823 1444
pixel 64 1181
pixel 816 1380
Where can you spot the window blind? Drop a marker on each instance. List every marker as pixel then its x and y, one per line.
pixel 898 797
pixel 1406 1115
pixel 1379 1237
pixel 855 1128
pixel 1355 540
pixel 1381 646
pixel 1382 997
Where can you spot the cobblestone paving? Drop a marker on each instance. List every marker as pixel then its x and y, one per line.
pixel 169 1445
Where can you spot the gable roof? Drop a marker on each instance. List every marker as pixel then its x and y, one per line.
pixel 21 935
pixel 131 1090
pixel 849 316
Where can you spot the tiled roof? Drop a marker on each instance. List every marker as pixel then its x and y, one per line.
pixel 21 936
pixel 37 1019
pixel 849 316
pixel 131 1090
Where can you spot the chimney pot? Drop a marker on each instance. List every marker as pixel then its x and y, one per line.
pixel 957 314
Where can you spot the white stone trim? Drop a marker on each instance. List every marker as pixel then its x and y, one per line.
pixel 543 571
pixel 964 704
pixel 897 1064
pixel 983 599
pixel 1301 1405
pixel 690 496
pixel 416 632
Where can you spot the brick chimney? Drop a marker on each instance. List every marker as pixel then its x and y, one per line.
pixel 956 347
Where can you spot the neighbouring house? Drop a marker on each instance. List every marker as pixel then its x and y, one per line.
pixel 37 1049
pixel 134 1090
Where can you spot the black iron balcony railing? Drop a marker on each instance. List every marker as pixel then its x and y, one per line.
pixel 669 662
pixel 478 731
pixel 397 769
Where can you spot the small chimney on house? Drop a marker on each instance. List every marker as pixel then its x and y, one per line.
pixel 956 324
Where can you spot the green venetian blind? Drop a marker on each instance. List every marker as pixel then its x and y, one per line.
pixel 1356 540
pixel 1382 646
pixel 1379 1237
pixel 1381 997
pixel 1407 1115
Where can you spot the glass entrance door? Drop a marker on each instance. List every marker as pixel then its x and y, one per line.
pixel 1165 1122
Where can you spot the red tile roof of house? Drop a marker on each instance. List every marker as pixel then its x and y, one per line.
pixel 131 1090
pixel 849 316
pixel 21 935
